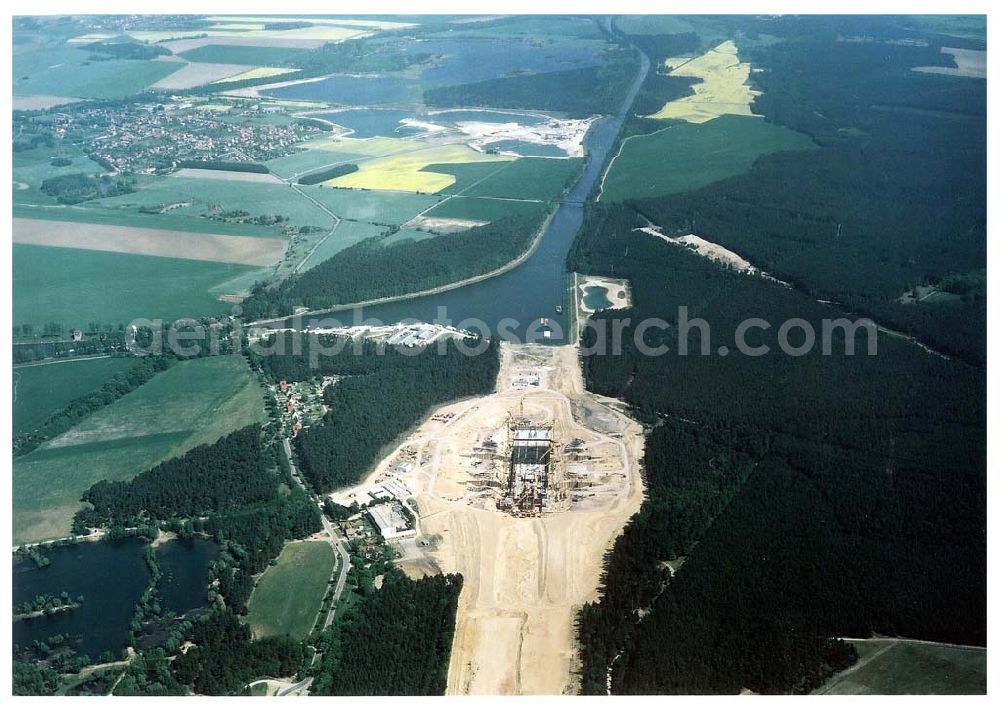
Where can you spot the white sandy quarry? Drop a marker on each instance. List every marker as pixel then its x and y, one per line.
pixel 704 248
pixel 970 63
pixel 724 87
pixel 525 578
pixel 617 291
pixel 566 135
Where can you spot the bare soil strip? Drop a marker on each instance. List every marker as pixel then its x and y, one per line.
pixel 252 251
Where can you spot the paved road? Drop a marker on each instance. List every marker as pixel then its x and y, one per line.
pixel 331 531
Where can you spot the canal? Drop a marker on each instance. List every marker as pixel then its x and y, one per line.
pixel 534 289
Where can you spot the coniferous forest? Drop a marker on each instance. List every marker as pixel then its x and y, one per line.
pixel 794 500
pixel 397 642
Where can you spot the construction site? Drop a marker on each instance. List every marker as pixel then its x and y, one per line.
pixel 522 492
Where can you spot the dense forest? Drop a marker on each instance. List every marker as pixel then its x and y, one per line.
pixel 578 93
pixel 359 422
pixel 828 500
pixel 370 270
pixel 397 641
pixel 225 659
pixel 332 57
pixel 230 473
pixel 104 50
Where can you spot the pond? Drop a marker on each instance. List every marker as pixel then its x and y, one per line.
pixel 487 116
pixel 184 565
pixel 596 297
pixel 111 577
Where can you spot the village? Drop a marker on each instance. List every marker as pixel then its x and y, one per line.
pixel 158 137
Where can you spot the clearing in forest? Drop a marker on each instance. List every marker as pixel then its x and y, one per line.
pixel 289 594
pixel 724 87
pixel 888 666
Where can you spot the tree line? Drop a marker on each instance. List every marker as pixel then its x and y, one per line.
pixel 77 410
pixel 230 473
pixel 328 174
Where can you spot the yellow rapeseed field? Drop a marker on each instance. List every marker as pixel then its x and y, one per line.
pixel 723 89
pixel 403 171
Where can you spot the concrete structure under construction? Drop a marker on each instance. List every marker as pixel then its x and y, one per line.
pixel 529 467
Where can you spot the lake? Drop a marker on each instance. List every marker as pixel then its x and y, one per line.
pixel 111 576
pixel 534 289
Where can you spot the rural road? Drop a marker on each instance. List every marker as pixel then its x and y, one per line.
pixel 335 543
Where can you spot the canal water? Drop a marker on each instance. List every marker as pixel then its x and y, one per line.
pixel 111 577
pixel 534 289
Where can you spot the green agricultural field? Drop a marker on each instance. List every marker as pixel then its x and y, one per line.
pixel 250 56
pixel 347 234
pixel 75 286
pixel 307 161
pixel 41 390
pixel 288 596
pixel 194 402
pixel 529 179
pixel 686 156
pixel 467 174
pixel 31 167
pixel 66 71
pixel 257 198
pixel 377 207
pixel 900 667
pixel 483 209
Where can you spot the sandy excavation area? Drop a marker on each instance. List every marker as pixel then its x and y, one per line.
pixel 223 248
pixel 525 576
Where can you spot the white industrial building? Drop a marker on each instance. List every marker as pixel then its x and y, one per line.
pixel 390 522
